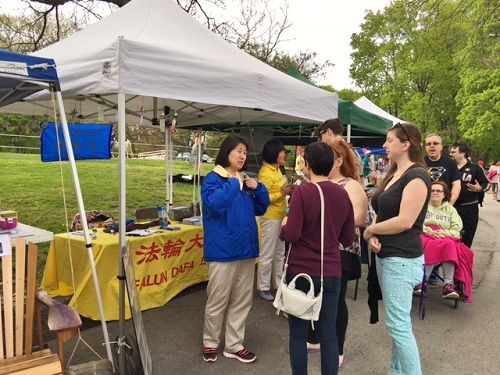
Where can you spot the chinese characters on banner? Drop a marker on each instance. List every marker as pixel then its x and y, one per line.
pixel 164 264
pixel 184 253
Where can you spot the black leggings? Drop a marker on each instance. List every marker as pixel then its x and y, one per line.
pixel 342 319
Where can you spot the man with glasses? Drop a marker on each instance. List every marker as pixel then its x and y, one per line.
pixel 331 130
pixel 474 182
pixel 440 167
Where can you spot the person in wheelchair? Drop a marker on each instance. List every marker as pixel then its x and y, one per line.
pixel 441 243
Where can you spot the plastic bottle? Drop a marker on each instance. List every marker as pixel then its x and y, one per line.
pixel 162 215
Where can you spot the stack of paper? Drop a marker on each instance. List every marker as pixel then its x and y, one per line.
pixel 194 220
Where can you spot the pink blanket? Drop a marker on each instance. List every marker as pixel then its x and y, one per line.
pixel 450 249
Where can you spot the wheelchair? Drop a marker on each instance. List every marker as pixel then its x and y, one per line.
pixel 459 286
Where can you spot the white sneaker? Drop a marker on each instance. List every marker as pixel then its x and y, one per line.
pixel 266 295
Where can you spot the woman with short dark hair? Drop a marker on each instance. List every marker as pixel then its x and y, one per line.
pixel 345 175
pixel 302 228
pixel 231 201
pixel 272 250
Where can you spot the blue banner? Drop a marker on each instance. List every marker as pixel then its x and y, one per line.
pixel 89 141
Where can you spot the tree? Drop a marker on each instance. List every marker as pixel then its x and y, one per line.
pixel 479 96
pixel 28 33
pixel 404 60
pixel 345 94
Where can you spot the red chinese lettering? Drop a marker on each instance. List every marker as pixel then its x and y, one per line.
pixel 172 249
pixel 197 241
pixel 148 253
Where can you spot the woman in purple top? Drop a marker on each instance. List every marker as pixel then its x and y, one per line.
pixel 302 228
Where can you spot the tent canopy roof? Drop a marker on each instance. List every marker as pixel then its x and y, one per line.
pixel 360 119
pixel 350 113
pixel 22 75
pixel 369 106
pixel 153 49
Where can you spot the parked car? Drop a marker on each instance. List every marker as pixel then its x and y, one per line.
pixel 186 156
pixel 207 159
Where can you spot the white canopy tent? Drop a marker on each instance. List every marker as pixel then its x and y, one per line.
pixel 369 106
pixel 150 56
pixel 152 48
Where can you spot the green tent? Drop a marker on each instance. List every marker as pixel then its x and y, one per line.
pixel 358 118
pixel 351 114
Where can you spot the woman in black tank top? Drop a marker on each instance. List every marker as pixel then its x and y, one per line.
pixel 400 204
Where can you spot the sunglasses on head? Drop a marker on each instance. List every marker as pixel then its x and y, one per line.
pixel 399 125
pixel 432 143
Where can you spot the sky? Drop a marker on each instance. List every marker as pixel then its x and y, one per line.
pixel 325 27
pixel 321 26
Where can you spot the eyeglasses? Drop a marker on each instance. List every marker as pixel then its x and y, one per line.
pixel 432 143
pixel 436 191
pixel 399 125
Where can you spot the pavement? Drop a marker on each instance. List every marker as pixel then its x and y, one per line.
pixel 451 341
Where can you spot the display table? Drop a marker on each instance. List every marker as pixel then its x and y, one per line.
pixel 164 264
pixel 29 233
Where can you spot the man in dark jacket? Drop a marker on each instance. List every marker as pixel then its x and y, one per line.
pixel 473 183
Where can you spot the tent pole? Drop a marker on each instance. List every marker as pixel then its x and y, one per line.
pixel 168 151
pixel 348 133
pixel 83 218
pixel 198 175
pixel 122 230
pixel 171 166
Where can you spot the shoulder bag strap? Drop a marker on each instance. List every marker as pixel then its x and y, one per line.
pixel 322 199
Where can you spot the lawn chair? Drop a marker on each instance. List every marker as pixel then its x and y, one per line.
pixel 63 321
pixel 17 307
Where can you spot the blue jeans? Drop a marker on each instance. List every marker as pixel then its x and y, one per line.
pixel 397 278
pixel 325 328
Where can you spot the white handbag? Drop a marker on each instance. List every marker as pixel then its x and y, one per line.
pixel 295 302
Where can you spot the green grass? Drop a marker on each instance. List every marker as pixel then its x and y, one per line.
pixel 34 189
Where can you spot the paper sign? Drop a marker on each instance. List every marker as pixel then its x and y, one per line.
pixel 12 67
pixel 5 246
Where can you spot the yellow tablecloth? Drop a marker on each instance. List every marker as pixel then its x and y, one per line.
pixel 164 264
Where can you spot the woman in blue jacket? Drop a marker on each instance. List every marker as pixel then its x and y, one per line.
pixel 231 200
